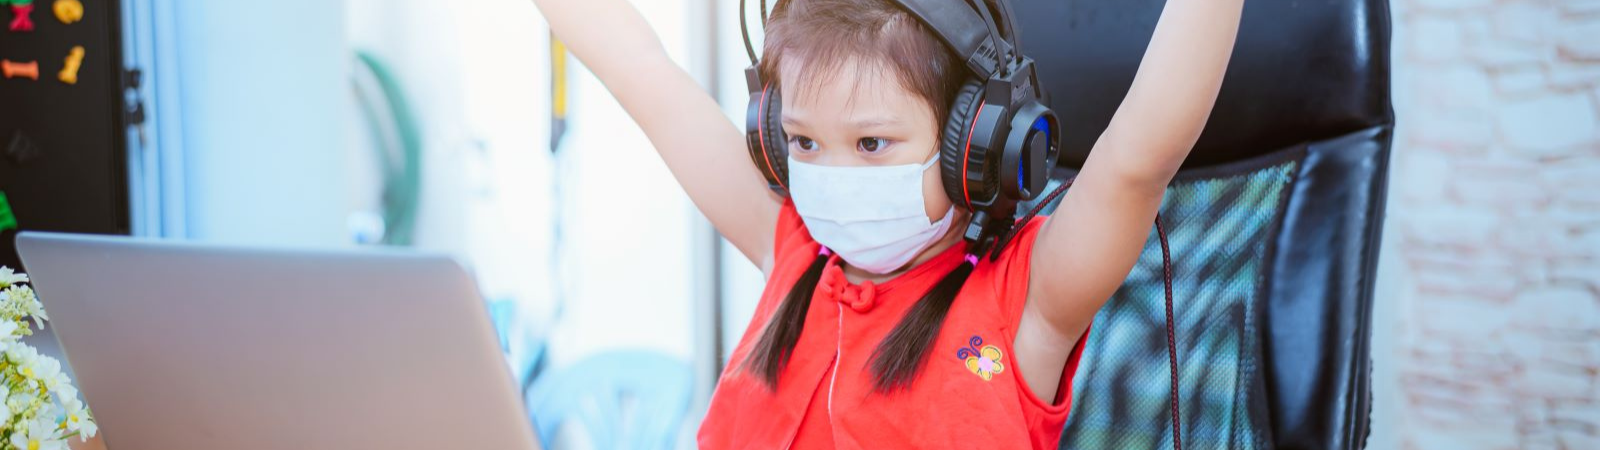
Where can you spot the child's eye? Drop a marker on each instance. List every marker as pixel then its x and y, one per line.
pixel 872 145
pixel 803 143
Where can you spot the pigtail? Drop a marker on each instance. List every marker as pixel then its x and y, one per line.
pixel 777 342
pixel 899 357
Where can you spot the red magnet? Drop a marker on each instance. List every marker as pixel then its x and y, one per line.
pixel 13 69
pixel 22 22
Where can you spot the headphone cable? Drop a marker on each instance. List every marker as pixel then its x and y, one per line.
pixel 1166 279
pixel 744 30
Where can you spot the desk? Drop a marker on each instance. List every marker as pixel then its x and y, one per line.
pixel 94 443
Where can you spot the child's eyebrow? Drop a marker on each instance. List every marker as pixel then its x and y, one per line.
pixel 876 122
pixel 863 124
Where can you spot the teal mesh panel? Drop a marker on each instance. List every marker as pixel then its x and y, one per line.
pixel 1219 229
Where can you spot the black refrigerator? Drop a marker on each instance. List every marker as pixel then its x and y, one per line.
pixel 63 119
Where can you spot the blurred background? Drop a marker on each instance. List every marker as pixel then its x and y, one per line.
pixel 461 127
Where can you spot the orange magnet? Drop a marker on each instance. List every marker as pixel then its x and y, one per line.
pixel 21 22
pixel 68 11
pixel 69 72
pixel 13 69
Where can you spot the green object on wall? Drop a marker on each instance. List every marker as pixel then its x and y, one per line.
pixel 8 221
pixel 400 156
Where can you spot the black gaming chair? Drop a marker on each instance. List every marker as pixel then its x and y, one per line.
pixel 1274 224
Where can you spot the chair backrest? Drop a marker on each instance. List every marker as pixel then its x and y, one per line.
pixel 1275 223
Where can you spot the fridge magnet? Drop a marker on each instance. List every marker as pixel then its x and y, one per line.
pixel 20 20
pixel 8 220
pixel 69 72
pixel 68 11
pixel 13 69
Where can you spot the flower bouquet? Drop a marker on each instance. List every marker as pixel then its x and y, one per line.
pixel 40 408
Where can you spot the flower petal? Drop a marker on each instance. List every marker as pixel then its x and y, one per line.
pixel 993 353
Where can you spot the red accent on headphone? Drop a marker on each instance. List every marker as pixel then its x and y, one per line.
pixel 761 133
pixel 967 155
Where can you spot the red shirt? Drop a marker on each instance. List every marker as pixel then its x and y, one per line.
pixel 968 393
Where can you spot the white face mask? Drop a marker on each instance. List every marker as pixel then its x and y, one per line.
pixel 873 217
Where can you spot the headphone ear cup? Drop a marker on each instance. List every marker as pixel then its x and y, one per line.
pixel 955 145
pixel 777 144
pixel 765 141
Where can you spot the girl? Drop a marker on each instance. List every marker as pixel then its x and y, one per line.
pixel 874 332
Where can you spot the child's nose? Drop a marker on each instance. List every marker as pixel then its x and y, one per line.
pixel 837 156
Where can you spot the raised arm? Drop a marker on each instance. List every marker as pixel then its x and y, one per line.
pixel 702 148
pixel 1087 248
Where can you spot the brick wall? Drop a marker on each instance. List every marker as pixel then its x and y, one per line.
pixel 1492 272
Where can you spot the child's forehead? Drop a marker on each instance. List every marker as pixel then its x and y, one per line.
pixel 848 84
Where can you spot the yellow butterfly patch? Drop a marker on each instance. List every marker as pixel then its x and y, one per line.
pixel 982 360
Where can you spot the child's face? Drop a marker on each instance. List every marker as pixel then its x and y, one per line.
pixel 860 115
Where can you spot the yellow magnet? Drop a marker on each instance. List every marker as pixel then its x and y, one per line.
pixel 68 11
pixel 69 72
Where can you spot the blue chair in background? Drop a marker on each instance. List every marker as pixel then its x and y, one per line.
pixel 627 399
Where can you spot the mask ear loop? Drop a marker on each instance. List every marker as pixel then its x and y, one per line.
pixel 1166 280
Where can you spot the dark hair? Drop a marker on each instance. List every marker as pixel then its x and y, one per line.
pixel 777 341
pixel 899 357
pixel 896 361
pixel 822 35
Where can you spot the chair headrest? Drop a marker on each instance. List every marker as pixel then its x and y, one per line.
pixel 1301 70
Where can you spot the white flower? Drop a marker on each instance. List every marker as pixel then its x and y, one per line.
pixel 8 331
pixel 22 401
pixel 39 409
pixel 77 419
pixel 61 388
pixel 17 401
pixel 36 309
pixel 40 434
pixel 19 293
pixel 88 429
pixel 13 298
pixel 20 300
pixel 9 277
pixel 43 369
pixel 21 355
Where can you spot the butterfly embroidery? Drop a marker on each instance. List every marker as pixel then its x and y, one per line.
pixel 983 360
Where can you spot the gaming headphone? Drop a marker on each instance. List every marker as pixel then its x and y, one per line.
pixel 1000 141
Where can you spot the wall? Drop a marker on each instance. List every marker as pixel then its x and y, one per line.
pixel 1491 283
pixel 264 97
pixel 478 77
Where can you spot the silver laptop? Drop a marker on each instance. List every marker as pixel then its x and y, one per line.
pixel 183 346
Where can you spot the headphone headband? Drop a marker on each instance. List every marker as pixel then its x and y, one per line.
pixel 983 48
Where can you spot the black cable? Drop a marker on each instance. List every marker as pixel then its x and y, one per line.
pixel 1011 27
pixel 1166 278
pixel 1004 63
pixel 744 30
pixel 1172 341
